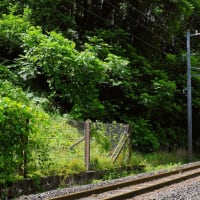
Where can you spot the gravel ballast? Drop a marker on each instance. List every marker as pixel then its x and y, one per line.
pixel 186 190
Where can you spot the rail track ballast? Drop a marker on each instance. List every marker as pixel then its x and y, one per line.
pixel 131 188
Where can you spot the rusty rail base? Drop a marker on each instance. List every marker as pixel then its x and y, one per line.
pixel 86 193
pixel 151 188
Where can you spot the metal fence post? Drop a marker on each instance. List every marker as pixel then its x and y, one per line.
pixel 24 152
pixel 189 98
pixel 87 145
pixel 129 145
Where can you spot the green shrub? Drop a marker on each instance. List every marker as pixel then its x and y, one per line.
pixel 15 127
pixel 7 74
pixel 144 139
pixel 17 131
pixel 73 77
pixel 11 28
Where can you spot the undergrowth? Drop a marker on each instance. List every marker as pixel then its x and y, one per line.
pixel 142 163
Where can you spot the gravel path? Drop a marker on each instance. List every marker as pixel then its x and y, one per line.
pixel 188 190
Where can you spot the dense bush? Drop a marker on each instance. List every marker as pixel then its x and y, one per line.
pixel 144 138
pixel 7 74
pixel 14 131
pixel 130 70
pixel 11 27
pixel 74 77
pixel 17 118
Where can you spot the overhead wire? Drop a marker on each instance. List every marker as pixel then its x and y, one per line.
pixel 141 13
pixel 138 38
pixel 140 24
pixel 130 17
pixel 157 24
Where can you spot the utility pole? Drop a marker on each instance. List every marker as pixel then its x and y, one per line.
pixel 189 98
pixel 189 94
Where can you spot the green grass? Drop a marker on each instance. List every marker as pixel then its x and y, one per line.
pixel 62 153
pixel 164 160
pixel 150 162
pixel 57 134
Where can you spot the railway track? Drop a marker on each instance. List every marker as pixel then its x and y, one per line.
pixel 132 188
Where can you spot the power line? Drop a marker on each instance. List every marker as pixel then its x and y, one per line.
pixel 141 13
pixel 92 13
pixel 130 17
pixel 148 44
pixel 165 30
pixel 138 38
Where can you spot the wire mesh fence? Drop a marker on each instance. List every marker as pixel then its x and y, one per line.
pixel 108 141
pixel 71 146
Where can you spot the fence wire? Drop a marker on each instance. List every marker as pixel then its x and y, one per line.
pixel 62 147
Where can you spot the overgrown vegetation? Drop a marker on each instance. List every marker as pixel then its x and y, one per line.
pixel 18 120
pixel 142 163
pixel 106 60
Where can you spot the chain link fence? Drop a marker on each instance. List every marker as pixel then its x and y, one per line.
pixel 72 146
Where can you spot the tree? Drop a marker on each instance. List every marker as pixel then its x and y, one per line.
pixel 17 132
pixel 107 60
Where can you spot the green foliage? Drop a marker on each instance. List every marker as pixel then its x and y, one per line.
pixel 94 83
pixel 73 77
pixel 7 74
pixel 66 71
pixel 17 131
pixel 11 28
pixel 15 128
pixel 170 138
pixel 115 175
pixel 13 93
pixel 105 41
pixel 98 134
pixel 55 15
pixel 144 139
pixel 164 160
pixel 130 67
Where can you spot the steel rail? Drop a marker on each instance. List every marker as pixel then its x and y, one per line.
pixel 87 193
pixel 150 188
